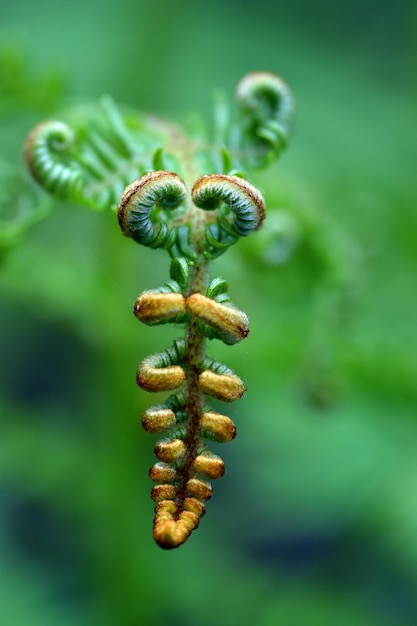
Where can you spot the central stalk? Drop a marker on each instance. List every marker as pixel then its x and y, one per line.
pixel 194 356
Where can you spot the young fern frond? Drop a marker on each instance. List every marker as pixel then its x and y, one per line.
pixel 48 154
pixel 90 158
pixel 154 193
pixel 158 178
pixel 267 107
pixel 205 308
pixel 232 194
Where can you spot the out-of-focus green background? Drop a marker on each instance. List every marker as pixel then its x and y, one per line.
pixel 315 522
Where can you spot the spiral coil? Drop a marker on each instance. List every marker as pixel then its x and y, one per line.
pixel 267 108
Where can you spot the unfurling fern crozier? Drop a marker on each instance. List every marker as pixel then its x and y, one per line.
pixel 185 464
pixel 175 204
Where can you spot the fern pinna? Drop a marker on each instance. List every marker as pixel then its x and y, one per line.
pixel 192 198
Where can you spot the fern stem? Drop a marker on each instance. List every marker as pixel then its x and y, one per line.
pixel 194 399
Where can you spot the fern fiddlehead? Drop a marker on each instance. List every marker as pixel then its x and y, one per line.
pixel 95 164
pixel 267 107
pixel 185 464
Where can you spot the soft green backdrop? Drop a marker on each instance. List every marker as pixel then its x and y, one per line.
pixel 315 522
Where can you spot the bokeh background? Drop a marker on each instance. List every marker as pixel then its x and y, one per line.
pixel 315 522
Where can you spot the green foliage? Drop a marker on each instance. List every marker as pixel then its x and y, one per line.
pixel 24 92
pixel 322 530
pixel 21 205
pixel 22 86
